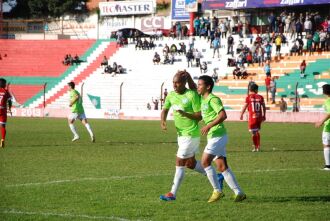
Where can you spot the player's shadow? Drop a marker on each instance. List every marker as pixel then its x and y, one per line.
pixel 297 199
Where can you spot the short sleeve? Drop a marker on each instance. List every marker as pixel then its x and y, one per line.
pixel 247 100
pixel 167 103
pixel 216 104
pixel 196 102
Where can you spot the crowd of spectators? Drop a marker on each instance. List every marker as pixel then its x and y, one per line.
pixel 69 60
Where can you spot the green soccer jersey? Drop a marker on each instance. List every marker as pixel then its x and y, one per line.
pixel 211 106
pixel 77 106
pixel 327 110
pixel 188 102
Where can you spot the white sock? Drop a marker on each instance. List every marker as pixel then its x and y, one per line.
pixel 231 181
pixel 89 129
pixel 199 168
pixel 73 129
pixel 326 152
pixel 212 176
pixel 179 174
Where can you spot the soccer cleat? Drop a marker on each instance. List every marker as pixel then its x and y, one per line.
pixel 216 195
pixel 239 197
pixel 326 167
pixel 220 180
pixel 167 197
pixel 254 150
pixel 93 139
pixel 2 143
pixel 75 139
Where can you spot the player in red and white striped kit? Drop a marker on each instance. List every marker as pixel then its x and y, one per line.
pixel 5 98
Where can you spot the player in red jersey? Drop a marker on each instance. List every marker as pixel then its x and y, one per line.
pixel 257 114
pixel 5 98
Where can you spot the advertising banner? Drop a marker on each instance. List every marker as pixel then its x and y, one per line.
pixel 240 4
pixel 152 23
pixel 179 11
pixel 191 5
pixel 126 8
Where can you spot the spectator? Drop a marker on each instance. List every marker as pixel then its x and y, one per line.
pixel 197 25
pixel 148 106
pixel 237 73
pixel 76 60
pixel 283 105
pixel 302 69
pixel 182 49
pixel 309 44
pixel 230 43
pixel 223 29
pixel 323 36
pixel 189 57
pixel 178 29
pixel 267 68
pixel 155 104
pixel 173 48
pixel 107 69
pixel 260 55
pixel 316 40
pixel 273 89
pixel 308 27
pixel 294 50
pixel 156 58
pixel 198 56
pixel 278 43
pixel 268 50
pixel 301 46
pixel 271 22
pixel 104 61
pixel 299 28
pixel 165 93
pixel 166 49
pixel 191 42
pixel 166 59
pixel 267 84
pixel 249 59
pixel 244 73
pixel 203 67
pixel 215 75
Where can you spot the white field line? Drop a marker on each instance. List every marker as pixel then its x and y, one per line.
pixel 144 176
pixel 66 215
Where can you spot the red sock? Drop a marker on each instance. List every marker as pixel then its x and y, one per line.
pixel 255 140
pixel 258 140
pixel 3 132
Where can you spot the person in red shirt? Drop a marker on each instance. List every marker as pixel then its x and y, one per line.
pixel 5 98
pixel 257 114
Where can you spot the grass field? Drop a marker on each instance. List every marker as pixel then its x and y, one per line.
pixel 44 176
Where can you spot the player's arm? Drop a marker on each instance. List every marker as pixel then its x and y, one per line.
pixel 324 119
pixel 193 116
pixel 74 100
pixel 243 111
pixel 222 116
pixel 163 117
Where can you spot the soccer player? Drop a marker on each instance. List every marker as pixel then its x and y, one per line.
pixel 77 112
pixel 257 114
pixel 186 105
pixel 214 115
pixel 326 130
pixel 5 98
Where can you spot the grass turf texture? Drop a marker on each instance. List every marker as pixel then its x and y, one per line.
pixel 44 176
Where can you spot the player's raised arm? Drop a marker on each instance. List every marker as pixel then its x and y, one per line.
pixel 192 85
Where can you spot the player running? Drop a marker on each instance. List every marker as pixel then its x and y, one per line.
pixel 186 105
pixel 214 115
pixel 326 129
pixel 5 98
pixel 77 112
pixel 257 114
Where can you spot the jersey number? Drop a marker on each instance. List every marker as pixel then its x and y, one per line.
pixel 255 107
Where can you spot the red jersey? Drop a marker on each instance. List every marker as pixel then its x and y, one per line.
pixel 255 103
pixel 4 97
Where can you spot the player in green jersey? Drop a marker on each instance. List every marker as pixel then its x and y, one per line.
pixel 326 129
pixel 186 111
pixel 77 112
pixel 214 114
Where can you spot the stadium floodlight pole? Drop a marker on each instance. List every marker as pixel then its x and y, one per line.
pixel 161 95
pixel 121 95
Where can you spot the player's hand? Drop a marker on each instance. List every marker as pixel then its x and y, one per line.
pixel 241 117
pixel 263 118
pixel 11 113
pixel 70 105
pixel 163 125
pixel 205 130
pixel 318 124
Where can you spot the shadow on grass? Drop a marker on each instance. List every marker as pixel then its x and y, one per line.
pixel 294 199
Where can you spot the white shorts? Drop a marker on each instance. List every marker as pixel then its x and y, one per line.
pixel 326 138
pixel 75 116
pixel 217 146
pixel 188 147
